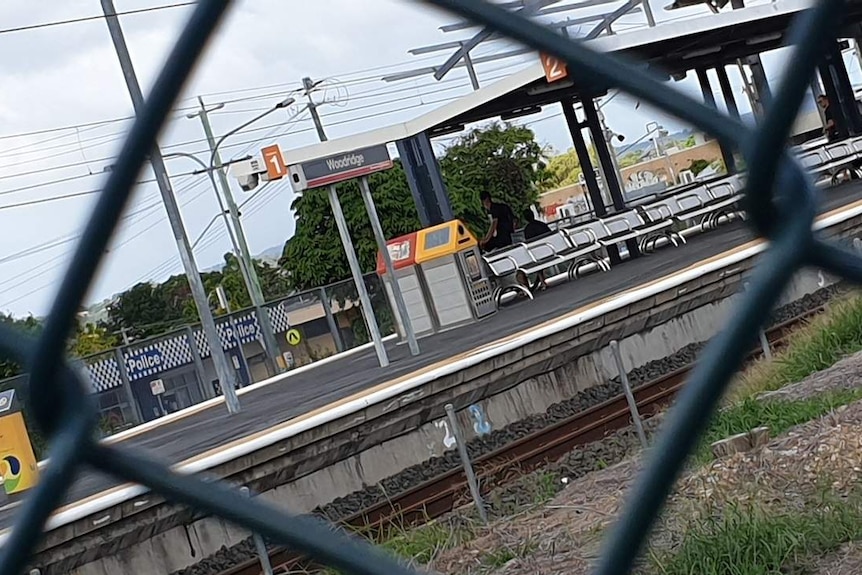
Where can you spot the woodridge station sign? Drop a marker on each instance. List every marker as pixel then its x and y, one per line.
pixel 340 167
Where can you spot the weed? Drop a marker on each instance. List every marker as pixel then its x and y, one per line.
pixel 498 557
pixel 831 336
pixel 751 542
pixel 546 486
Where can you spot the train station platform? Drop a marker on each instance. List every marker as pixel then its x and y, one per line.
pixel 207 428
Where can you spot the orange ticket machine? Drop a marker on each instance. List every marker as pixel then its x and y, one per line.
pixel 442 279
pixel 19 470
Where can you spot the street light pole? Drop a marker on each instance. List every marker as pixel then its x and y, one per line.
pixel 250 276
pixel 224 372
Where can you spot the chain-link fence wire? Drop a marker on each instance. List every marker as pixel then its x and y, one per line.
pixel 780 199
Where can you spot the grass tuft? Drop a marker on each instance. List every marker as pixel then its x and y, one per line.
pixel 829 337
pixel 778 415
pixel 751 542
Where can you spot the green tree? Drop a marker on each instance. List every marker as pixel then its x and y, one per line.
pixel 30 326
pixel 91 339
pixel 697 166
pixel 689 142
pixel 502 159
pixel 629 159
pixel 563 170
pixel 146 310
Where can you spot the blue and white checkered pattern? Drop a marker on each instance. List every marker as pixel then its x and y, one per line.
pixel 166 354
pixel 246 324
pixel 105 374
pixel 278 317
pixel 158 356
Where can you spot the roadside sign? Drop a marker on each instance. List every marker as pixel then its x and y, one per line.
pixel 274 160
pixel 555 69
pixel 157 386
pixel 340 167
pixel 294 337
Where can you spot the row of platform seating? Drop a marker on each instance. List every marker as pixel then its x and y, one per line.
pixel 664 219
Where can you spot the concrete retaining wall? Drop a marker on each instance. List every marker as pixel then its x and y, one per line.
pixel 348 455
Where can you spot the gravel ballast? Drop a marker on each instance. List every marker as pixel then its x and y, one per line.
pixel 586 459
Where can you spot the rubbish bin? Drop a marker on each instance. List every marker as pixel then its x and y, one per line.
pixel 402 252
pixel 457 287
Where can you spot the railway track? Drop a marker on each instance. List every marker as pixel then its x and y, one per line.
pixel 443 494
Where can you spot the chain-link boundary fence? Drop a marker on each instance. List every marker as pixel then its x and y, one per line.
pixel 780 200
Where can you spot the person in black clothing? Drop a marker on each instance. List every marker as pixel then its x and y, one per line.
pixel 831 130
pixel 503 224
pixel 535 229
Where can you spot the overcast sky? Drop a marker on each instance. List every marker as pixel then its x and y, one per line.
pixel 64 110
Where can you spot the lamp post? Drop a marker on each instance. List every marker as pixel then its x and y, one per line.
pixel 659 152
pixel 241 245
pixel 224 372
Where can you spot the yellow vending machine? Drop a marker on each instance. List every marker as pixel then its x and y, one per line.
pixel 18 466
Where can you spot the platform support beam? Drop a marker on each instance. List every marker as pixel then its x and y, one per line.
pixel 727 91
pixel 762 93
pixel 593 191
pixel 425 180
pixel 830 90
pixel 709 100
pixel 607 163
pixel 834 75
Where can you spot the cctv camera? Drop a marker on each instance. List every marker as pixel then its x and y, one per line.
pixel 248 182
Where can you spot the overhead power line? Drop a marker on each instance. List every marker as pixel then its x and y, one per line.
pixel 92 18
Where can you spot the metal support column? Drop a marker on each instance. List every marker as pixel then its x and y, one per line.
pixel 224 372
pixel 367 309
pixel 400 306
pixel 760 81
pixel 425 180
pixel 471 71
pixel 709 100
pixel 727 91
pixel 207 392
pixel 127 385
pixel 607 164
pixel 587 168
pixel 246 263
pixel 845 90
pixel 326 302
pixel 831 92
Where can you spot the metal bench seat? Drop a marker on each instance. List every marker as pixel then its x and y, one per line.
pixel 630 225
pixel 702 205
pixel 504 265
pixel 560 249
pixel 830 160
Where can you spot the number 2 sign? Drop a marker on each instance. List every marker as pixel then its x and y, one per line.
pixel 555 69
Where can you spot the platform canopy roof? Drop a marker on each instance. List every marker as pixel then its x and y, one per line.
pixel 671 48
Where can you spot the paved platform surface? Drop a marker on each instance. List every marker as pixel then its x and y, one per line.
pixel 276 403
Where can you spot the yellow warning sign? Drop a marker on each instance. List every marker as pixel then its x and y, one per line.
pixel 294 337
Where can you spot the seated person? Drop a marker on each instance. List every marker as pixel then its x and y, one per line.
pixel 535 229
